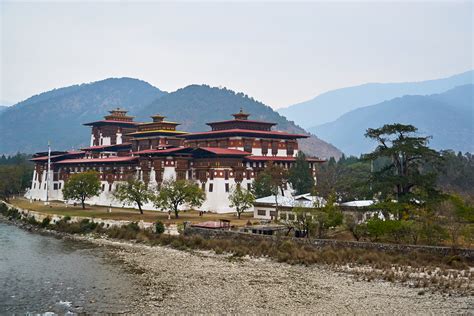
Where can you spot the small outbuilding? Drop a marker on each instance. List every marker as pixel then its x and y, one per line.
pixel 363 210
pixel 264 208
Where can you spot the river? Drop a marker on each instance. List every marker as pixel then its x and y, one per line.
pixel 42 274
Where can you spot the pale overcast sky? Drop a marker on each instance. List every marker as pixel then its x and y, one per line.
pixel 279 53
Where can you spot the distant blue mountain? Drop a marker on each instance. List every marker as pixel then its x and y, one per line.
pixel 3 108
pixel 448 117
pixel 330 105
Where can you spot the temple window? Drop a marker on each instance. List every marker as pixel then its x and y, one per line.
pixel 211 187
pixel 227 187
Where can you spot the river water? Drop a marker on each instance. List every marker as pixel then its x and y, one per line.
pixel 41 274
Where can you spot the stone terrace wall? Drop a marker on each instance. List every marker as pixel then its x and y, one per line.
pixel 321 243
pixel 55 218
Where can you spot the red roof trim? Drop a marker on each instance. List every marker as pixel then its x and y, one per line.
pixel 45 158
pixel 158 151
pixel 106 146
pixel 250 121
pixel 111 122
pixel 279 158
pixel 224 151
pixel 246 131
pixel 98 160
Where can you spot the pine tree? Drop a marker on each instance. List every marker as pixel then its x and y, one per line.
pixel 300 175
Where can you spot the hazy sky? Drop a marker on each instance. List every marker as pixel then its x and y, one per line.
pixel 279 53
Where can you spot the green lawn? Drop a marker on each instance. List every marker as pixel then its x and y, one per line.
pixel 59 208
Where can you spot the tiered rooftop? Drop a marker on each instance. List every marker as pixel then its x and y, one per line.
pixel 117 116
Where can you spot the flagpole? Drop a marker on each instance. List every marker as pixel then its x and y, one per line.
pixel 47 174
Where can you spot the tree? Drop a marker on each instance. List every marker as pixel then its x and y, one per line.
pixel 327 216
pixel 457 216
pixel 358 230
pixel 10 181
pixel 241 199
pixel 261 185
pixel 348 178
pixel 271 181
pixel 300 175
pixel 134 191
pixel 405 177
pixel 82 186
pixel 303 221
pixel 15 175
pixel 174 193
pixel 456 172
pixel 279 177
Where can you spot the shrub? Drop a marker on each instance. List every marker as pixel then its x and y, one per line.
pixel 45 222
pixel 159 228
pixel 128 232
pixel 11 214
pixel 31 220
pixel 87 226
pixel 3 208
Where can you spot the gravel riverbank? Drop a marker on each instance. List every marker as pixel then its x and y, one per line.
pixel 201 282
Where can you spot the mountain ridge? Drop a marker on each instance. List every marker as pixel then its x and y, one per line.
pixel 328 106
pixel 206 104
pixel 58 115
pixel 448 117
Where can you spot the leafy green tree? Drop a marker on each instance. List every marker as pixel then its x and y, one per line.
pixel 407 153
pixel 328 174
pixel 304 221
pixel 456 172
pixel 82 186
pixel 358 230
pixel 10 181
pixel 348 178
pixel 279 178
pixel 133 192
pixel 271 180
pixel 241 199
pixel 261 185
pixel 174 193
pixel 458 216
pixel 159 227
pixel 328 216
pixel 376 228
pixel 15 175
pixel 300 175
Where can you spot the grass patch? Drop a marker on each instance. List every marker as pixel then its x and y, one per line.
pixel 129 214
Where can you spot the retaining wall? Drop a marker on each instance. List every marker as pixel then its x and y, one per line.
pixel 171 230
pixel 321 243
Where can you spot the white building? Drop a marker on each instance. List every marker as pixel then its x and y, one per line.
pixel 231 154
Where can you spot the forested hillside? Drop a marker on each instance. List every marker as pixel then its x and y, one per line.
pixel 195 105
pixel 58 115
